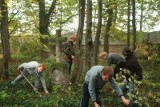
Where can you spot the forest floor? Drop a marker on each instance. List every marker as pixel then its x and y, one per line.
pixel 23 95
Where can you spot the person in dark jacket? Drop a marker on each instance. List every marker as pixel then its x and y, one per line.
pixel 69 52
pixel 134 67
pixel 114 58
pixel 131 63
pixel 95 79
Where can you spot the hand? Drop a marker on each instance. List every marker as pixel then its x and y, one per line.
pixel 95 104
pixel 46 91
pixel 125 101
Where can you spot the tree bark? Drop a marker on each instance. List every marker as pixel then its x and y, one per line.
pixel 98 33
pixel 88 38
pixel 128 27
pixel 5 39
pixel 134 24
pixel 78 55
pixel 108 25
pixel 44 21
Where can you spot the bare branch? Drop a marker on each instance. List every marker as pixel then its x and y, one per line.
pixel 14 14
pixel 15 27
pixel 67 19
pixel 51 8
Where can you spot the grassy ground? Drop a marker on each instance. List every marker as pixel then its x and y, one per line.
pixel 24 96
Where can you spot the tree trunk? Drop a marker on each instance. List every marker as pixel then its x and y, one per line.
pixel 128 27
pixel 58 46
pixel 88 38
pixel 78 55
pixel 98 32
pixel 134 24
pixel 43 25
pixel 115 15
pixel 108 25
pixel 5 39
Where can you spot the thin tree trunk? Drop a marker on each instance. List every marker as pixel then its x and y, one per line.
pixel 108 25
pixel 5 39
pixel 78 55
pixel 94 22
pixel 128 27
pixel 115 12
pixel 58 45
pixel 134 24
pixel 88 38
pixel 98 33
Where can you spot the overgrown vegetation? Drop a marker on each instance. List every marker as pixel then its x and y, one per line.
pixel 147 92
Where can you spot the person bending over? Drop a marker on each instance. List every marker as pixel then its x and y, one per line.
pixel 116 59
pixel 95 79
pixel 35 69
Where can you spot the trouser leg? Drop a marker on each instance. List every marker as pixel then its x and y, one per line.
pixel 131 88
pixel 124 86
pixel 69 65
pixel 85 96
pixel 20 77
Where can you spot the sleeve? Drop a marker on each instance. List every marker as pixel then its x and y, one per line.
pixel 43 81
pixel 116 87
pixel 91 88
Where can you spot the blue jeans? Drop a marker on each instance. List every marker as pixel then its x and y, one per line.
pixel 69 65
pixel 86 97
pixel 127 86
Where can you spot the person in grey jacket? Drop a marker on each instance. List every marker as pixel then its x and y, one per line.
pixel 35 69
pixel 116 59
pixel 95 79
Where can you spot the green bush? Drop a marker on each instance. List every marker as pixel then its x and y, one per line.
pixel 31 48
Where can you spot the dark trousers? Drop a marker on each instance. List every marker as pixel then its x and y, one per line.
pixel 69 65
pixel 86 97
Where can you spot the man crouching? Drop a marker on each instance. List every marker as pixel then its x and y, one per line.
pixel 95 79
pixel 35 69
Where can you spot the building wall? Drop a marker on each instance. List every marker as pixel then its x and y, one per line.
pixel 153 37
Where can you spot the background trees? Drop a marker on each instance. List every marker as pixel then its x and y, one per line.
pixel 5 38
pixel 111 19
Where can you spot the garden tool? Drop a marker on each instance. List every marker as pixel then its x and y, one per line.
pixel 31 84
